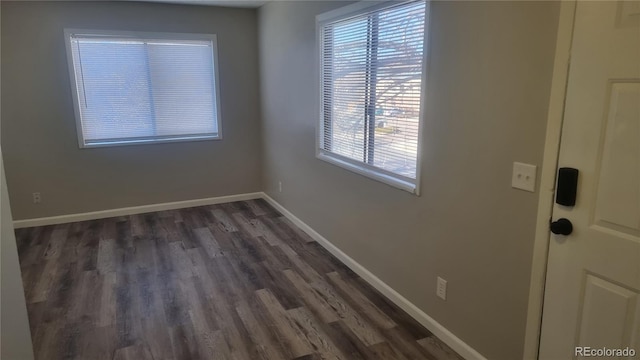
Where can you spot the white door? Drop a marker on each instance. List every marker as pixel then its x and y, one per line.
pixel 592 293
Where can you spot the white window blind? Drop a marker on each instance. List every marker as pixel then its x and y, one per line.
pixel 371 79
pixel 141 87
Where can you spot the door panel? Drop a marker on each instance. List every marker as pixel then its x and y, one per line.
pixel 612 328
pixel 618 202
pixel 593 275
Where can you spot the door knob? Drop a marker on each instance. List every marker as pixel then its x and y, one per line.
pixel 561 227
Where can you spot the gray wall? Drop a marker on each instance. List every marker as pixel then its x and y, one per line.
pixel 15 335
pixel 488 90
pixel 38 126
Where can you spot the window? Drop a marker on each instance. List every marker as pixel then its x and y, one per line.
pixel 371 77
pixel 132 88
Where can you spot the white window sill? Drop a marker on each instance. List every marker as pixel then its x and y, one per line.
pixel 367 171
pixel 97 144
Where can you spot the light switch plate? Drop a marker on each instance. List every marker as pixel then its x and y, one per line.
pixel 524 176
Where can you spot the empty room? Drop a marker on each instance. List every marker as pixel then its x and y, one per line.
pixel 270 179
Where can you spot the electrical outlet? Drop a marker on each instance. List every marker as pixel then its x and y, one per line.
pixel 37 198
pixel 279 186
pixel 441 288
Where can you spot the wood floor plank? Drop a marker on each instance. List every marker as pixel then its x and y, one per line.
pixel 40 288
pixel 138 224
pixel 47 339
pixel 181 261
pixel 256 208
pixel 86 248
pixel 229 281
pixel 347 341
pixel 184 343
pixel 169 224
pixel 263 341
pixel 69 340
pixel 403 320
pixel 268 254
pixel 164 265
pixel 271 212
pixel 199 311
pixel 31 278
pixel 148 294
pixel 127 323
pixel 354 321
pixel 295 340
pixel 402 342
pixel 300 235
pixel 175 309
pixel 438 349
pixel 25 237
pixel 63 296
pixel 361 301
pixel 264 231
pixel 155 226
pixel 303 267
pixel 42 237
pixel 107 228
pixel 96 343
pixel 201 272
pixel 241 243
pixel 156 337
pixel 224 238
pixel 36 314
pixel 185 235
pixel 224 221
pixel 237 343
pixel 86 306
pixel 133 352
pixel 233 281
pixel 243 220
pixel 193 218
pixel 145 253
pixel 311 298
pixel 212 345
pixel 208 242
pixel 107 256
pixel 280 287
pixel 315 335
pixel 107 310
pixel 321 253
pixel 124 238
pixel 384 351
pixel 31 255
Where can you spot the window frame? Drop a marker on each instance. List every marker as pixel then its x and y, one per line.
pixel 141 35
pixel 358 167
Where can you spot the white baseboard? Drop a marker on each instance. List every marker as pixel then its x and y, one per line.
pixel 133 210
pixel 428 322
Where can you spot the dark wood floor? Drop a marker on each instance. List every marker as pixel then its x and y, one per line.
pixel 229 281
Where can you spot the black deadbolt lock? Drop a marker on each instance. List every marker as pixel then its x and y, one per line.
pixel 567 186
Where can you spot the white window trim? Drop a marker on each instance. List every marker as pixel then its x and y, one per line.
pixel 394 180
pixel 68 33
